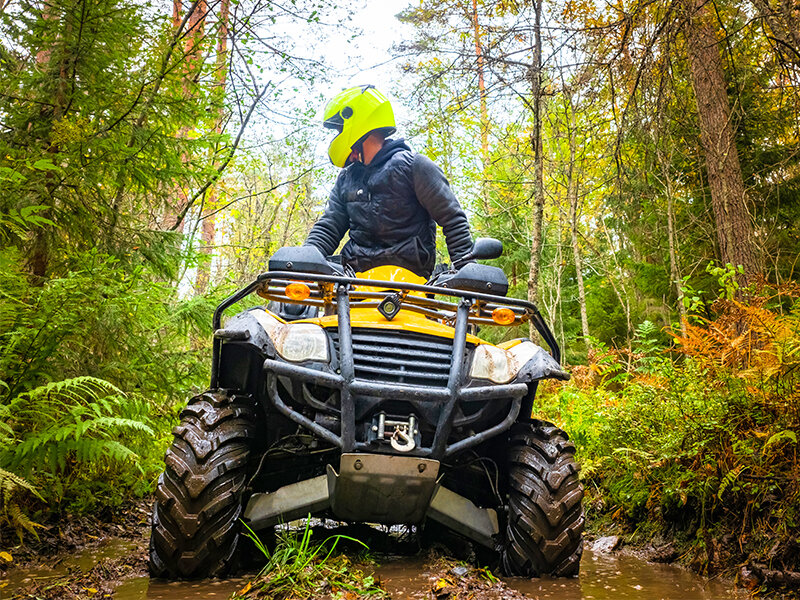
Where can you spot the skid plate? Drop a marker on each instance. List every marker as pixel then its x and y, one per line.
pixel 380 488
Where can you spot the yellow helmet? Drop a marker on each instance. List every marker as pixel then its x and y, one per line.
pixel 355 113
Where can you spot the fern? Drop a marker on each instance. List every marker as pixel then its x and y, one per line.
pixel 12 486
pixel 729 479
pixel 83 420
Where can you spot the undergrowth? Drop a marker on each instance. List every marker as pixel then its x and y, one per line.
pixel 698 441
pixel 95 364
pixel 300 568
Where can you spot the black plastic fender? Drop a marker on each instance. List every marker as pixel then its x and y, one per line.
pixel 244 345
pixel 541 366
pixel 245 328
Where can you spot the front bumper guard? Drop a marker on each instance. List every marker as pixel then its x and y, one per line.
pixel 349 387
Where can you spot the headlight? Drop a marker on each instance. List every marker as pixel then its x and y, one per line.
pixel 524 351
pixel 499 365
pixel 303 341
pixel 295 342
pixel 493 363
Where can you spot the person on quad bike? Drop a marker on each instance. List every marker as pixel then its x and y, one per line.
pixel 389 197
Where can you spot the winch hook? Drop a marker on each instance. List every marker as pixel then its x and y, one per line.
pixel 402 441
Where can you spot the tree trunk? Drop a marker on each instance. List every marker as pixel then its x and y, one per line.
pixel 536 142
pixel 290 215
pixel 42 237
pixel 728 198
pixel 619 288
pixel 207 235
pixel 558 270
pixel 674 268
pixel 209 230
pixel 484 112
pixel 576 249
pixel 481 85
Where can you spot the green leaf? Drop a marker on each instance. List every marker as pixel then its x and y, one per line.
pixel 782 436
pixel 8 174
pixel 45 164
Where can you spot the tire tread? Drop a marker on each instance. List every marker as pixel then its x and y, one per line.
pixel 544 531
pixel 199 495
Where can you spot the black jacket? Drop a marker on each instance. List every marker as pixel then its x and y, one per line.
pixel 391 208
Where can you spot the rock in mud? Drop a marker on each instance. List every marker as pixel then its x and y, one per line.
pixel 459 571
pixel 754 574
pixel 606 544
pixel 661 554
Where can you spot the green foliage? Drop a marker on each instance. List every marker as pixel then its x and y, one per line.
pixel 81 440
pixel 105 317
pixel 65 434
pixel 80 420
pixel 301 568
pixel 727 277
pixel 89 139
pixel 699 443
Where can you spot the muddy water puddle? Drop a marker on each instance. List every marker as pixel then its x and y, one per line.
pixel 603 577
pixel 142 588
pixel 615 576
pixel 620 576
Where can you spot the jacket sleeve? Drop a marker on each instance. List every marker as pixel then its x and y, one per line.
pixel 434 193
pixel 329 230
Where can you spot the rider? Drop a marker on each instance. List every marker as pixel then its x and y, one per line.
pixel 388 196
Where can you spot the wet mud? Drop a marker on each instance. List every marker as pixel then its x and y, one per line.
pixel 117 569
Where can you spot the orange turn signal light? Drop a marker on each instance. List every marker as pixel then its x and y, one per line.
pixel 503 316
pixel 297 291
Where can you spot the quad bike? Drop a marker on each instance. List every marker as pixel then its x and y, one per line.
pixel 369 398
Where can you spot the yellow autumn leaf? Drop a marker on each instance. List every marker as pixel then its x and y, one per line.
pixel 6 557
pixel 245 589
pixel 441 583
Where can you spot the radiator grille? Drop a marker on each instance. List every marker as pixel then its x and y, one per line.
pixel 388 356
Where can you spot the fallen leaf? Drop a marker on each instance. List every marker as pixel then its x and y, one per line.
pixel 440 583
pixel 245 589
pixel 6 557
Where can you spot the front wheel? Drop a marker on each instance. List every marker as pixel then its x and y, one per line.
pixel 544 530
pixel 199 497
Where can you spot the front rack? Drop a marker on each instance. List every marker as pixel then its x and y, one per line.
pixel 270 286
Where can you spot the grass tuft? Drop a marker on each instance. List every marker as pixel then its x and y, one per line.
pixel 300 568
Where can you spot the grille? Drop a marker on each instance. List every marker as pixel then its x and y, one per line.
pixel 387 356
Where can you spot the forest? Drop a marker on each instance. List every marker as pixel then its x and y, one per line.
pixel 639 160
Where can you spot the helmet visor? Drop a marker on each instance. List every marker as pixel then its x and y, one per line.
pixel 336 122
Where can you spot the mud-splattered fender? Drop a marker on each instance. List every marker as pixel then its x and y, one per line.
pixel 250 331
pixel 539 364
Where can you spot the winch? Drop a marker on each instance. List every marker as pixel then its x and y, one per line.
pixel 403 435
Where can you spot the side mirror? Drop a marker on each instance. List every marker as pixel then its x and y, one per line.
pixel 486 249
